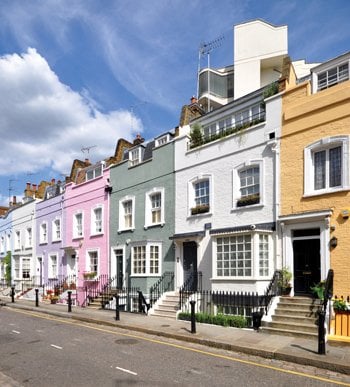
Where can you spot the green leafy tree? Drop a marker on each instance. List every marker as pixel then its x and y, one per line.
pixel 7 262
pixel 196 135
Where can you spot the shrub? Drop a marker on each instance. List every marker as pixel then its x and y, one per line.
pixel 219 319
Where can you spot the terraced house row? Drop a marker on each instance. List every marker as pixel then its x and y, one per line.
pixel 255 178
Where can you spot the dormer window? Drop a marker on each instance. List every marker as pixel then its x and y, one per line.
pixel 162 140
pixel 135 156
pixel 333 76
pixel 94 172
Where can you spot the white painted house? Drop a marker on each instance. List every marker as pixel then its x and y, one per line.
pixel 226 195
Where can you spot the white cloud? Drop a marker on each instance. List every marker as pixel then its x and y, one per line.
pixel 45 123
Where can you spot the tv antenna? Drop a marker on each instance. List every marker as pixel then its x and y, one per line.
pixel 87 148
pixel 11 188
pixel 206 49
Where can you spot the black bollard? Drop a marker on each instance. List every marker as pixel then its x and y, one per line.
pixel 193 317
pixel 321 333
pixel 12 294
pixel 36 297
pixel 117 317
pixel 69 301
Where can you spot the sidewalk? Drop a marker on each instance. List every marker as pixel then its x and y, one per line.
pixel 291 349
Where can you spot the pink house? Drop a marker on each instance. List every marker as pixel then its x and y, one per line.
pixel 87 227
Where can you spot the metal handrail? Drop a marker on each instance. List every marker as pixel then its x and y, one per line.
pixel 164 284
pixel 273 289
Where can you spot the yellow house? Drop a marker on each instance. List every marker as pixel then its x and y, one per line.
pixel 315 179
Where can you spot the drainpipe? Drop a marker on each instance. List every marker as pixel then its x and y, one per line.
pixel 275 148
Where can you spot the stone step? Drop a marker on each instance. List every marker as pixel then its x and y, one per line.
pixel 298 307
pixel 293 327
pixel 296 312
pixel 286 332
pixel 294 319
pixel 299 300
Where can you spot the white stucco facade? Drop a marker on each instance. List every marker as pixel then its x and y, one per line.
pixel 259 49
pixel 218 163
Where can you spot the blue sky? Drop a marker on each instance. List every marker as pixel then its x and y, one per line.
pixel 82 73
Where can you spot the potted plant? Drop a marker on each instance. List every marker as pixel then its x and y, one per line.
pixel 318 290
pixel 89 275
pixel 54 299
pixel 284 282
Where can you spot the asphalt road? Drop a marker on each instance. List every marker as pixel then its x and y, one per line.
pixel 39 350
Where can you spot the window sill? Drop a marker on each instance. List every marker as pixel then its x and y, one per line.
pixel 97 234
pixel 42 243
pixel 253 206
pixel 145 275
pixel 204 214
pixel 78 237
pixel 146 226
pixel 57 240
pixel 223 279
pixel 325 191
pixel 125 230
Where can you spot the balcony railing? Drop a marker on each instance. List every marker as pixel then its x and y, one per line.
pixel 202 139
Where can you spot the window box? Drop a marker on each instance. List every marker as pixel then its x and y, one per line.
pixel 248 200
pixel 89 275
pixel 201 209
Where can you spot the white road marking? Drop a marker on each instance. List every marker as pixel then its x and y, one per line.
pixel 56 346
pixel 127 371
pixel 15 332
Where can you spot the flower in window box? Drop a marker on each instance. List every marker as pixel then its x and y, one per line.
pixel 88 275
pixel 248 200
pixel 200 209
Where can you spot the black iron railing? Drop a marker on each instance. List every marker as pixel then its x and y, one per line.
pixel 230 303
pixel 191 285
pixel 164 284
pixel 328 292
pixel 94 288
pixel 273 289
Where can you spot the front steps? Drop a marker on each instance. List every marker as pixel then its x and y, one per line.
pixel 294 316
pixel 166 306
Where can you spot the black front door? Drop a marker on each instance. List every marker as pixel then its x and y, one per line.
pixel 307 262
pixel 190 265
pixel 119 267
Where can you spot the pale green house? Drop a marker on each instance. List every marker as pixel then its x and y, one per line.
pixel 142 214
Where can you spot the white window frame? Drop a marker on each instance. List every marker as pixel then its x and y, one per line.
pixel 256 264
pixel 192 194
pixel 56 230
pixel 94 230
pixel 43 235
pixel 17 241
pixel 26 268
pixel 16 267
pixel 149 209
pixel 162 140
pixel 77 233
pixel 53 269
pixel 2 244
pixel 236 181
pixel 325 143
pixel 91 267
pixel 326 67
pixel 135 156
pixel 94 172
pixel 29 237
pixel 122 226
pixel 147 245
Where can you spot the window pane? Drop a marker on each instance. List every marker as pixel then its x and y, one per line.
pixel 335 167
pixel 320 169
pixel 202 193
pixel 237 259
